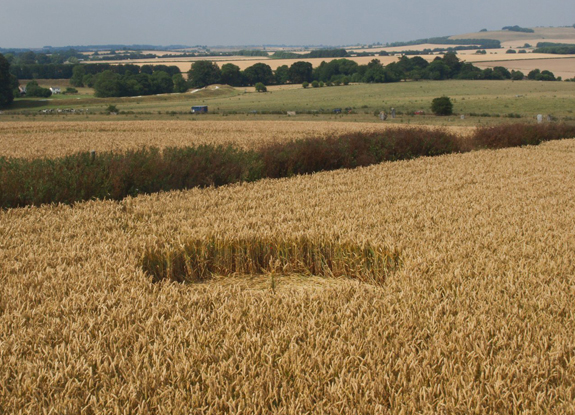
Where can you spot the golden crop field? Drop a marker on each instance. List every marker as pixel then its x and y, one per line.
pixel 564 67
pixel 50 139
pixel 478 318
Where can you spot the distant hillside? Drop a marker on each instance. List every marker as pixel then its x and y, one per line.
pixel 556 33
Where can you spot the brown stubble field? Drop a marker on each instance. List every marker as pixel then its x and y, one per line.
pixel 479 318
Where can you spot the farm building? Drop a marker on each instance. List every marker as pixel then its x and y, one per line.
pixel 200 109
pixel 56 90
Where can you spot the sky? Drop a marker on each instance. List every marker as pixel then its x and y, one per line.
pixel 38 23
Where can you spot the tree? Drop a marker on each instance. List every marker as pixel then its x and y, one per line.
pixel 162 83
pixel 231 75
pixel 88 80
pixel 78 74
pixel 315 84
pixel 500 72
pixel 517 75
pixel 180 84
pixel 35 90
pixel 6 83
pixel 261 87
pixel 305 84
pixel 442 106
pixel 107 84
pixel 204 73
pixel 300 72
pixel 533 74
pixel 259 72
pixel 281 74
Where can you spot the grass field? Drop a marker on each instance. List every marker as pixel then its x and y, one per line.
pixel 496 98
pixel 479 317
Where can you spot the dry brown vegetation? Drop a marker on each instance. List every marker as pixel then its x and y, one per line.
pixel 50 139
pixel 478 319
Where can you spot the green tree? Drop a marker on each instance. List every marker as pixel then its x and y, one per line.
pixel 108 84
pixel 88 80
pixel 6 83
pixel 300 72
pixel 282 74
pixel 231 75
pixel 204 73
pixel 259 72
pixel 180 84
pixel 315 84
pixel 305 84
pixel 35 90
pixel 442 106
pixel 533 74
pixel 162 83
pixel 517 75
pixel 78 74
pixel 261 87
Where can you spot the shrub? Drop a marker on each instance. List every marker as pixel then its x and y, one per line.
pixel 442 106
pixel 305 84
pixel 260 87
pixel 35 90
pixel 315 84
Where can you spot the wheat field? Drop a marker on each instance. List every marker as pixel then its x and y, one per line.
pixel 479 318
pixel 51 139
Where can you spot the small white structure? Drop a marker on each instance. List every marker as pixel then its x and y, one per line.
pixel 539 118
pixel 291 113
pixel 55 90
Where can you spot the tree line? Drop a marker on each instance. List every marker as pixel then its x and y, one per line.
pixel 343 70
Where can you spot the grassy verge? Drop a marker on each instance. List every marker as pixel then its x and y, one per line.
pixel 83 176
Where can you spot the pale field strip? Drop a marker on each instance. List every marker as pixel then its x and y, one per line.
pixel 564 67
pixel 480 319
pixel 244 62
pixel 534 42
pixel 541 34
pixel 51 139
pixel 469 56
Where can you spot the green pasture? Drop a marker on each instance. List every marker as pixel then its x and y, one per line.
pixel 476 99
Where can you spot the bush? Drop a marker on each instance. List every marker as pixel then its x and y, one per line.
pixel 35 90
pixel 442 106
pixel 112 109
pixel 305 84
pixel 315 84
pixel 261 87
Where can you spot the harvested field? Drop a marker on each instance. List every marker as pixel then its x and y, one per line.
pixel 564 67
pixel 479 318
pixel 539 34
pixel 50 139
pixel 246 61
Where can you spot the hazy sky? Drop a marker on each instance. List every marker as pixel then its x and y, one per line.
pixel 37 23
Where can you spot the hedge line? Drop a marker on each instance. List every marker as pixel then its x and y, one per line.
pixel 109 175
